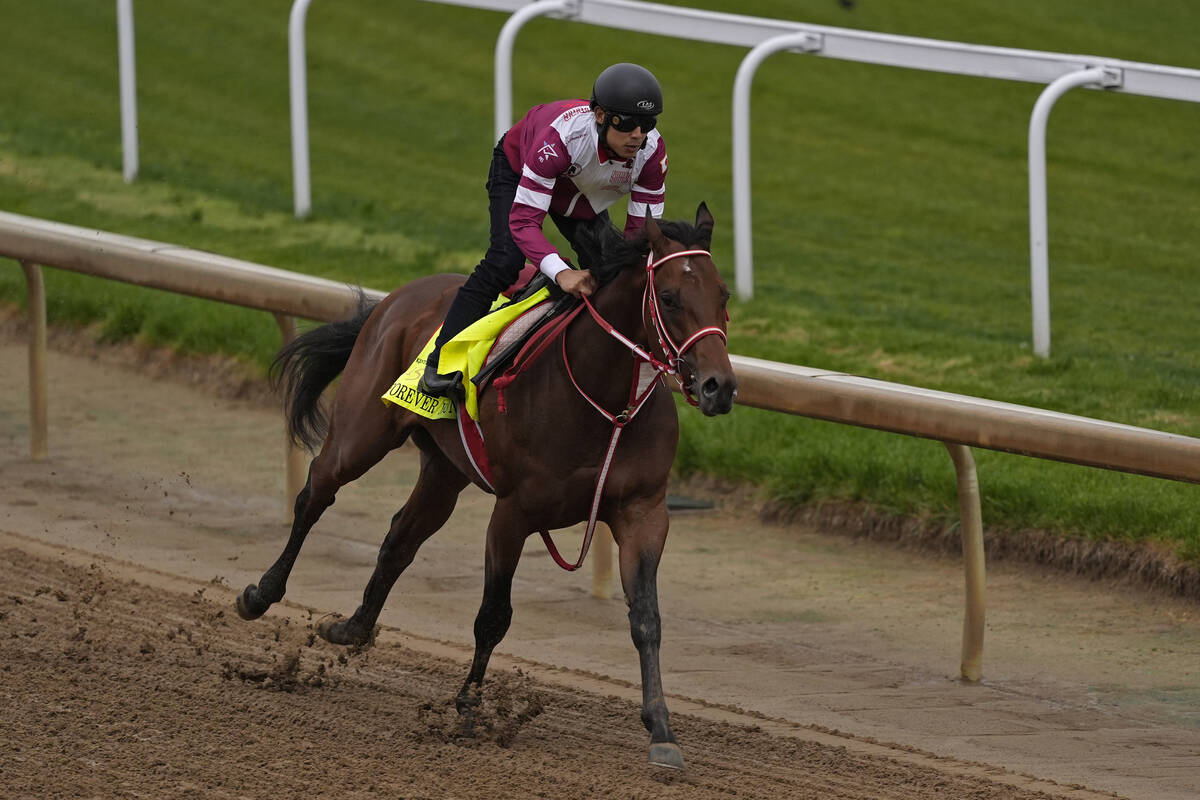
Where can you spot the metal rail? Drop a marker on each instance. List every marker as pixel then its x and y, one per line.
pixel 959 421
pixel 1060 71
pixel 765 37
pixel 127 69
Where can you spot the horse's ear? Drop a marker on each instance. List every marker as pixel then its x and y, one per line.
pixel 704 222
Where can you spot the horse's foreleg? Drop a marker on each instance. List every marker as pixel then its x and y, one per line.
pixel 641 533
pixel 327 473
pixel 505 538
pixel 427 509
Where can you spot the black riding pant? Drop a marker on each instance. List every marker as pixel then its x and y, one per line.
pixel 503 261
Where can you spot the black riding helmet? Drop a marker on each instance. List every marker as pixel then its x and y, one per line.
pixel 629 94
pixel 628 88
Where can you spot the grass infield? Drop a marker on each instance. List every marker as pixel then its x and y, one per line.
pixel 890 210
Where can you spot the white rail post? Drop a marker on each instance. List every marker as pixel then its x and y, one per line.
pixel 1039 246
pixel 742 229
pixel 504 50
pixel 128 80
pixel 298 97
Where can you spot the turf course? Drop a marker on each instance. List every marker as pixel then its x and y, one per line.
pixel 890 212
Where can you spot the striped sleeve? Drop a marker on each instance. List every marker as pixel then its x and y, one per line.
pixel 546 159
pixel 649 192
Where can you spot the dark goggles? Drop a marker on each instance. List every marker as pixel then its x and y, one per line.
pixel 627 122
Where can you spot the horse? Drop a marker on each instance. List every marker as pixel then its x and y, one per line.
pixel 660 297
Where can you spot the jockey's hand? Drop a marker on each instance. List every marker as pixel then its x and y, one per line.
pixel 577 282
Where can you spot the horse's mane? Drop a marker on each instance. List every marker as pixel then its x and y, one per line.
pixel 606 252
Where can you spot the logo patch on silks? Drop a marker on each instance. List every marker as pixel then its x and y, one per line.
pixel 620 177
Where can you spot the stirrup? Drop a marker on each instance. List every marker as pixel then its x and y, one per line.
pixel 436 384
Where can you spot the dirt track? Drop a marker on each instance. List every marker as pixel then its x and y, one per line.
pixel 134 691
pixel 784 635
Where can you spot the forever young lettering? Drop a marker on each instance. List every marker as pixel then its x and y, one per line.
pixel 409 397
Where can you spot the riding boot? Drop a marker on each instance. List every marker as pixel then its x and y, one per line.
pixel 436 384
pixel 465 310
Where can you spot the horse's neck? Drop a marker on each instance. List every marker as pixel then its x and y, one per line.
pixel 599 361
pixel 620 302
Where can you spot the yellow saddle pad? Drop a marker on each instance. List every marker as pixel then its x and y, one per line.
pixel 465 353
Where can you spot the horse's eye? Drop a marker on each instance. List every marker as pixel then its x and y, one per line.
pixel 669 300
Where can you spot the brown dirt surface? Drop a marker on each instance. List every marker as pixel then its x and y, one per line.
pixel 126 690
pixel 796 664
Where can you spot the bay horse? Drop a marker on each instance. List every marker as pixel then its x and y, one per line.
pixel 656 291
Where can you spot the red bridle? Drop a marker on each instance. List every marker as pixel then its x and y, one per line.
pixel 673 352
pixel 641 388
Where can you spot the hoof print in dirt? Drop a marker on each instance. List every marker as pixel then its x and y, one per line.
pixel 287 675
pixel 495 717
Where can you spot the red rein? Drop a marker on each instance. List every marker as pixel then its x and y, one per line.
pixel 674 356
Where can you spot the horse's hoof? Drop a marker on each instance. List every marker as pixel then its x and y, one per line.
pixel 250 604
pixel 666 754
pixel 336 630
pixel 465 705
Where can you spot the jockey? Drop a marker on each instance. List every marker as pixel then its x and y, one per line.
pixel 571 159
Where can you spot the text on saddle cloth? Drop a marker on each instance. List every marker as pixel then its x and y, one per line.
pixel 468 352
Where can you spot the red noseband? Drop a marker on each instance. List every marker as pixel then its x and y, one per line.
pixel 673 352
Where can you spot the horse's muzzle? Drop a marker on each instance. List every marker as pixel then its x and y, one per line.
pixel 716 395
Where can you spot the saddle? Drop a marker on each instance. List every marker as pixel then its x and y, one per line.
pixel 485 349
pixel 518 333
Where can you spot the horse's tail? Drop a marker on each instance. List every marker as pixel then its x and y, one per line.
pixel 309 363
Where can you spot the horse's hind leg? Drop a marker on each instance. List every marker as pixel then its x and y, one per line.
pixel 505 539
pixel 641 531
pixel 428 507
pixel 337 464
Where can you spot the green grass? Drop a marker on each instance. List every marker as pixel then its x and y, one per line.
pixel 890 209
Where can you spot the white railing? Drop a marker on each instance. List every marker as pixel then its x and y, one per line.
pixel 958 421
pixel 128 80
pixel 298 100
pixel 1039 234
pixel 1062 73
pixel 766 37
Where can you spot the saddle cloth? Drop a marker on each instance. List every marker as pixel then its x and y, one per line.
pixel 469 352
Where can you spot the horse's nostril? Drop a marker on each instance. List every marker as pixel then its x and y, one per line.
pixel 710 387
